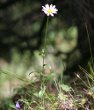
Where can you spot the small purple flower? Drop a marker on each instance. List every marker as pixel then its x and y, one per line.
pixel 17 105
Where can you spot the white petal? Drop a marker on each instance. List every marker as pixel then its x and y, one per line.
pixel 48 14
pixel 44 11
pixel 51 14
pixel 47 6
pixel 51 6
pixel 55 9
pixel 44 8
pixel 55 12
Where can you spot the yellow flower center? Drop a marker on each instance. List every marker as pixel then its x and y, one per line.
pixel 50 11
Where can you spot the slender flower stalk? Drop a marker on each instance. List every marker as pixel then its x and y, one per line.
pixel 89 42
pixel 45 42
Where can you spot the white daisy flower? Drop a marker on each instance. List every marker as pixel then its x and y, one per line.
pixel 49 10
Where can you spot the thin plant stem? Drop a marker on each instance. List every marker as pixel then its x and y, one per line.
pixel 45 43
pixel 44 51
pixel 44 54
pixel 45 40
pixel 89 43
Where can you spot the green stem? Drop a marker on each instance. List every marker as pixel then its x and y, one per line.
pixel 89 44
pixel 45 40
pixel 45 43
pixel 44 54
